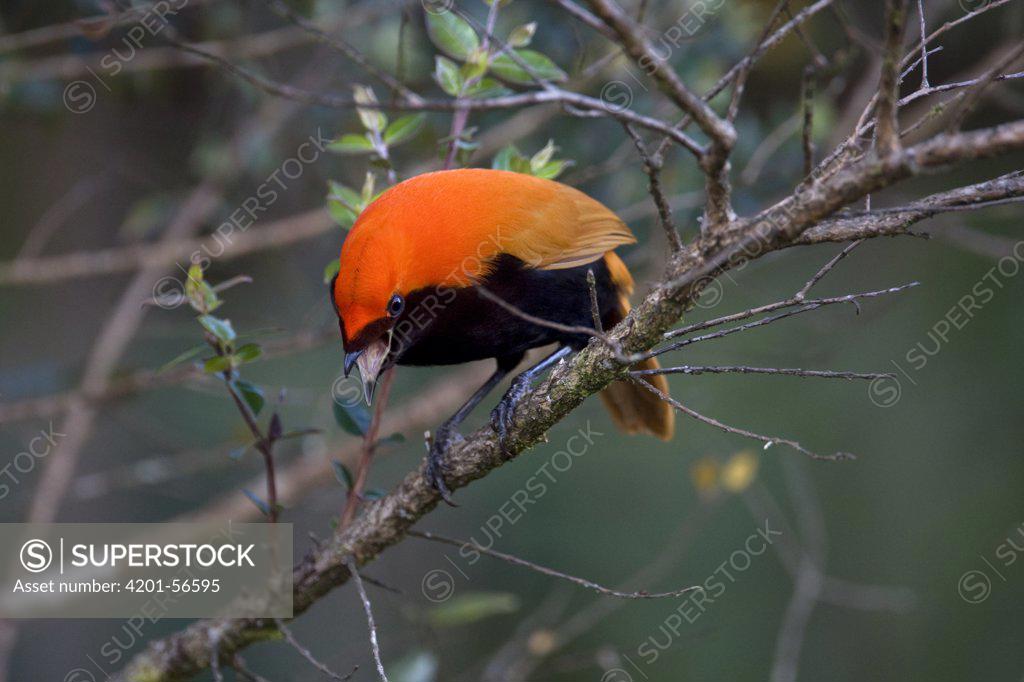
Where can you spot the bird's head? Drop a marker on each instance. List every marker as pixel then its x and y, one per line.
pixel 369 296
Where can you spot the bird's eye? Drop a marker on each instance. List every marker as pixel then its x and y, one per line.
pixel 396 305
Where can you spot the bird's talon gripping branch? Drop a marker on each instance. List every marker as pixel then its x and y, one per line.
pixel 444 438
pixel 503 415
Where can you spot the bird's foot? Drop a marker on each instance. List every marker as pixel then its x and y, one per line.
pixel 445 437
pixel 503 415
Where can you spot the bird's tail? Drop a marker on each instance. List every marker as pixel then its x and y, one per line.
pixel 633 408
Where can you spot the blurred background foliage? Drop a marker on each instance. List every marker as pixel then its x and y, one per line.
pixel 935 490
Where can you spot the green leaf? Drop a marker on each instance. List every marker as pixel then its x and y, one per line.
pixel 200 294
pixel 452 34
pixel 366 196
pixel 503 159
pixel 260 504
pixel 373 494
pixel 299 433
pixel 331 270
pixel 221 329
pixel 190 353
pixel 351 143
pixel 504 66
pixel 403 129
pixel 221 363
pixel 248 353
pixel 343 203
pixel 340 213
pixel 372 119
pixel 345 195
pixel 252 395
pixel 541 158
pixel 522 35
pixel 475 66
pixel 553 169
pixel 420 666
pixel 486 87
pixel 446 73
pixel 473 607
pixel 342 473
pixel 354 419
pixel 394 438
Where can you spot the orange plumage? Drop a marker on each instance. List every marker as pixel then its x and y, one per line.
pixel 407 291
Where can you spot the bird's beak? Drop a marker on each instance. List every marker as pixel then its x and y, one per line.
pixel 370 360
pixel 350 360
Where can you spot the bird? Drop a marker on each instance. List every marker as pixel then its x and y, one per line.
pixel 455 266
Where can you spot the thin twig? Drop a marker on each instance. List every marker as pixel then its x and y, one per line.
pixel 807 104
pixel 653 166
pixel 341 46
pixel 308 655
pixel 740 82
pixel 238 663
pixel 370 438
pixel 744 369
pixel 824 270
pixel 924 44
pixel 977 90
pixel 461 116
pixel 374 644
pixel 264 444
pixel 218 676
pixel 767 440
pixel 540 321
pixel 806 306
pixel 583 582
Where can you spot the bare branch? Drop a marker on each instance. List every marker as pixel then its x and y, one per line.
pixel 308 655
pixel 583 582
pixel 977 90
pixel 924 45
pixel 369 619
pixel 355 493
pixel 45 270
pixel 652 166
pixel 807 105
pixel 888 141
pixel 767 440
pixel 743 369
pixel 723 136
pixel 893 221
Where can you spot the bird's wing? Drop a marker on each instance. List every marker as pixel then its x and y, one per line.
pixel 561 227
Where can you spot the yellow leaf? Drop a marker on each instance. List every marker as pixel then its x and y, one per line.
pixel 740 471
pixel 542 642
pixel 704 474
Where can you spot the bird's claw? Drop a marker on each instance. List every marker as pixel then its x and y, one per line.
pixel 445 437
pixel 503 415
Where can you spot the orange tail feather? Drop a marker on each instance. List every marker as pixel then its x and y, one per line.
pixel 633 408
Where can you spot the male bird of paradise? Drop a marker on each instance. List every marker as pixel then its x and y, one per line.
pixel 408 289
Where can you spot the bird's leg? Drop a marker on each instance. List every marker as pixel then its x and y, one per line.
pixel 447 434
pixel 503 414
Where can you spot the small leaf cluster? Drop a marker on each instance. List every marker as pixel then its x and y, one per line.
pixel 379 135
pixel 541 164
pixel 476 67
